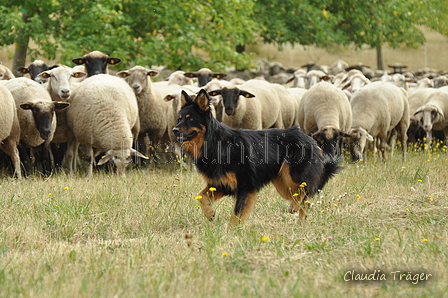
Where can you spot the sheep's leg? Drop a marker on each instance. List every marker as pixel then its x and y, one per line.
pixel 245 203
pixel 92 161
pixel 404 138
pixel 428 140
pixel 10 148
pixel 25 158
pixel 383 144
pixel 207 198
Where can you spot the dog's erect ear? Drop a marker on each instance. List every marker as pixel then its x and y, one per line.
pixel 185 98
pixel 203 100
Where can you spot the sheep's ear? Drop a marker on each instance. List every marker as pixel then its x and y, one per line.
pixel 138 154
pixel 246 94
pixel 27 105
pixel 203 101
pixel 290 79
pixel 191 74
pixel 22 70
pixel 79 74
pixel 419 110
pixel 105 158
pixel 219 75
pixel 214 92
pixel 45 75
pixel 152 73
pixel 318 137
pixel 113 61
pixel 168 98
pixel 78 61
pixel 60 105
pixel 185 98
pixel 122 74
pixel 343 135
pixel 53 66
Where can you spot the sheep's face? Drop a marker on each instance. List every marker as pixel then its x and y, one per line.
pixel 34 69
pixel 60 80
pixel 230 98
pixel 330 140
pixel 137 78
pixel 204 75
pixel 428 118
pixel 96 62
pixel 43 115
pixel 357 142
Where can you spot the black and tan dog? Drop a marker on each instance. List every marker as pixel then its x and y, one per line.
pixel 239 162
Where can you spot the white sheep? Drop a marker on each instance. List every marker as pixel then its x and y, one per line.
pixel 96 62
pixel 36 113
pixel 326 115
pixel 298 79
pixel 204 75
pixel 297 93
pixel 103 115
pixel 377 109
pixel 432 114
pixel 5 73
pixel 152 108
pixel 253 105
pixel 354 81
pixel 314 77
pixel 9 129
pixel 416 99
pixel 61 81
pixel 288 104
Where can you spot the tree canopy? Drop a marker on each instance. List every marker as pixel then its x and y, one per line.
pixel 192 34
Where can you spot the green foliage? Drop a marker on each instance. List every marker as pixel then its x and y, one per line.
pixel 174 33
pixel 193 34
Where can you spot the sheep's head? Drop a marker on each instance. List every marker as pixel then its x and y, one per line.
pixel 204 75
pixel 43 114
pixel 138 78
pixel 60 80
pixel 357 142
pixel 34 69
pixel 329 138
pixel 428 115
pixel 121 158
pixel 96 62
pixel 230 98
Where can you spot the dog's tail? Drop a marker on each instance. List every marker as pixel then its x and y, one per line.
pixel 332 165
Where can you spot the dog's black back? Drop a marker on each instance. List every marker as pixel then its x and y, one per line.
pixel 239 162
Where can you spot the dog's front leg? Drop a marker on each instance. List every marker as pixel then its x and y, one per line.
pixel 207 199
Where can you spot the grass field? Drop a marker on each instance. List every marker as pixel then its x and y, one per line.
pixel 144 236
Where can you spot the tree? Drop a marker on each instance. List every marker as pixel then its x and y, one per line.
pixel 351 22
pixel 178 34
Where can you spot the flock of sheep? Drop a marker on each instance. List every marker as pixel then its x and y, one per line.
pixel 64 112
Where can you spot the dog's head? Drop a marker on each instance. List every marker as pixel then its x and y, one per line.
pixel 193 117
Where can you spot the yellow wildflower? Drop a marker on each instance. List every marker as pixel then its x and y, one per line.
pixel 431 199
pixel 377 239
pixel 295 195
pixel 212 189
pixel 307 202
pixel 419 180
pixel 265 239
pixel 424 239
pixel 225 254
pixel 198 197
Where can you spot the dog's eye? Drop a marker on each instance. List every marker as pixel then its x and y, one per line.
pixel 191 119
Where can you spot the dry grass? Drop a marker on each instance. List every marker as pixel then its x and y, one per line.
pixel 144 236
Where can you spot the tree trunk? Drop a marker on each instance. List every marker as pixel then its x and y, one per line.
pixel 379 57
pixel 23 39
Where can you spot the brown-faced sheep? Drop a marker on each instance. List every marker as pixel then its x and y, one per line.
pixel 36 113
pixel 96 62
pixel 204 75
pixel 416 99
pixel 377 109
pixel 253 105
pixel 35 68
pixel 103 115
pixel 326 115
pixel 61 81
pixel 9 129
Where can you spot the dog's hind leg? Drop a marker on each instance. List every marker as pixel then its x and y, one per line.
pixel 291 191
pixel 244 205
pixel 207 199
